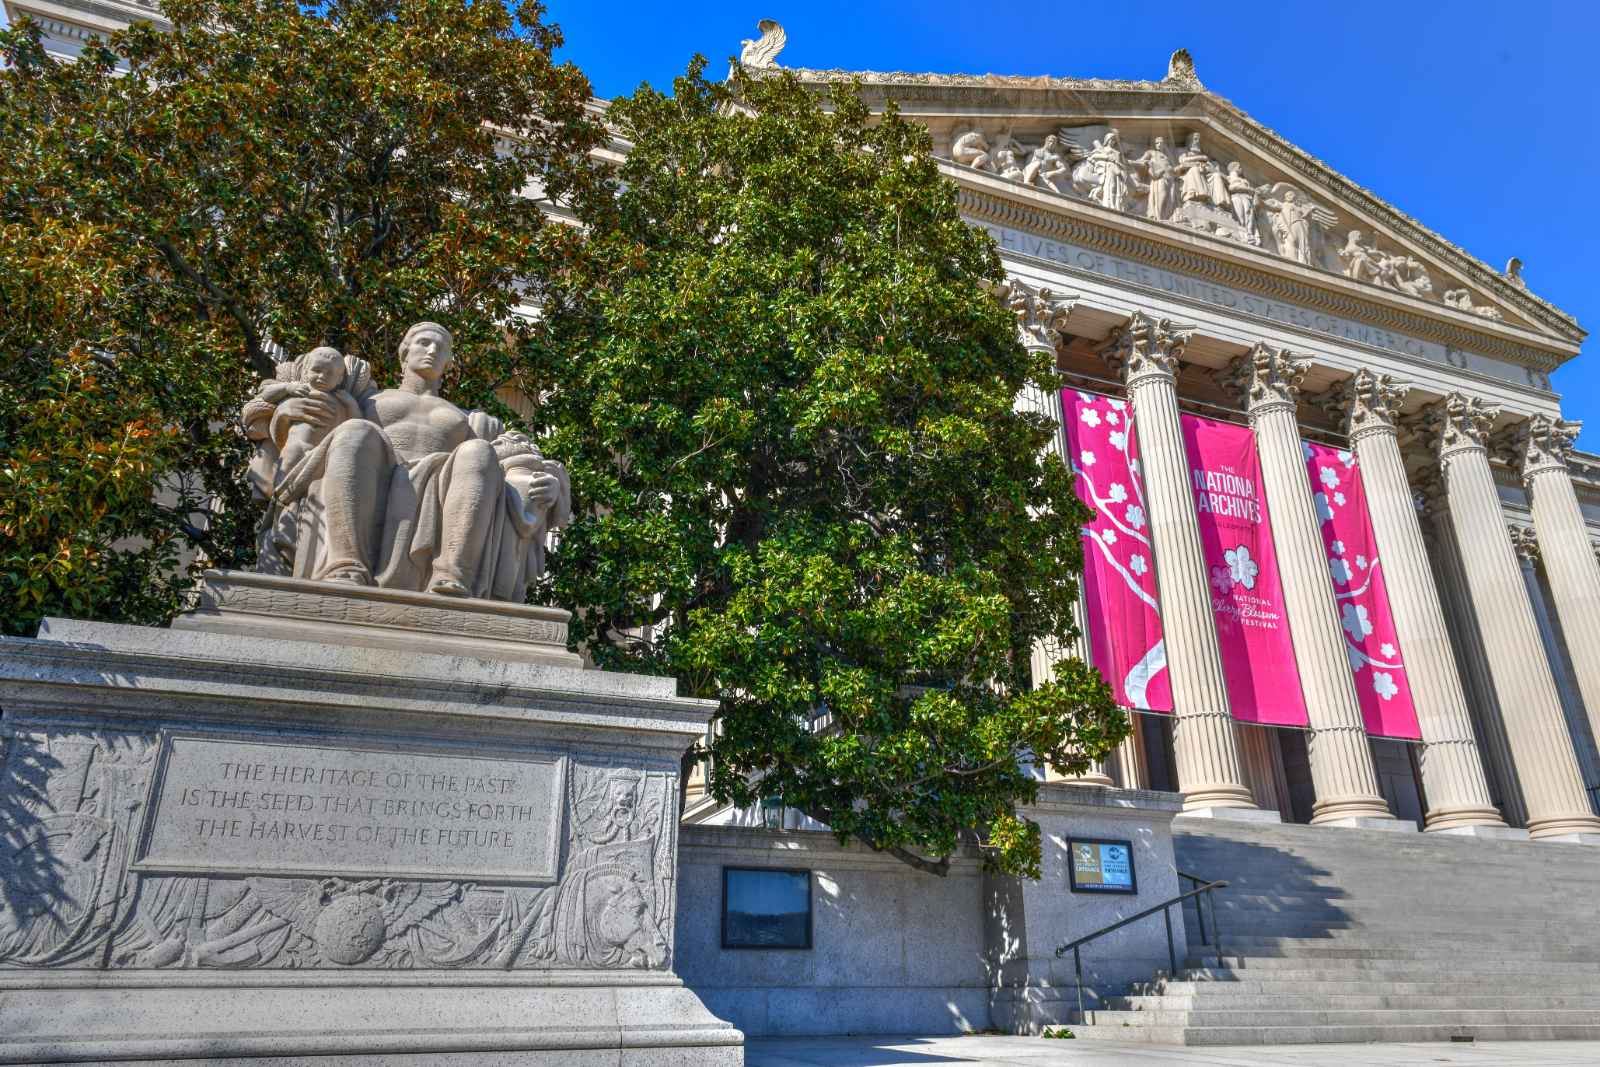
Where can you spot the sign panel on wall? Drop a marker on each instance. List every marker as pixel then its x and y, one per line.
pixel 1371 642
pixel 1096 866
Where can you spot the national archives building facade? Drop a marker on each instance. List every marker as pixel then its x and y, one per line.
pixel 1184 263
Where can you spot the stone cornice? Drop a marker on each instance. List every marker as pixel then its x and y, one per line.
pixel 1094 97
pixel 1079 222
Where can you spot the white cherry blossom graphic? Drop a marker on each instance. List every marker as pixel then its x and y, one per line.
pixel 1361 561
pixel 1355 620
pixel 1383 684
pixel 1338 548
pixel 1117 493
pixel 1090 417
pixel 1136 516
pixel 1324 509
pixel 1086 457
pixel 1137 565
pixel 1109 536
pixel 1330 477
pixel 1348 458
pixel 1340 570
pixel 1118 441
pixel 1113 418
pixel 1241 568
pixel 1338 499
pixel 1387 651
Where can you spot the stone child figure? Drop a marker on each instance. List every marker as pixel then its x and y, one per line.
pixel 416 493
pixel 321 370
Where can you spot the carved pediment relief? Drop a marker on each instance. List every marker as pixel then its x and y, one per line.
pixel 1179 172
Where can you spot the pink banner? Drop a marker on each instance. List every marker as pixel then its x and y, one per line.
pixel 1119 578
pixel 1246 589
pixel 1358 590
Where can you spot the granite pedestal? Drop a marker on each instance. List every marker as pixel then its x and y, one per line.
pixel 228 840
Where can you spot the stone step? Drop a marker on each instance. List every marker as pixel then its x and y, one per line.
pixel 1307 1035
pixel 1485 968
pixel 1222 1017
pixel 1529 985
pixel 1220 997
pixel 1421 949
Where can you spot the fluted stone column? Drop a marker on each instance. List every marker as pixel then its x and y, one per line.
pixel 1209 771
pixel 1342 771
pixel 1452 772
pixel 1569 558
pixel 1041 315
pixel 1536 729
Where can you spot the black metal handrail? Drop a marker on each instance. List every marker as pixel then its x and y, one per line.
pixel 1202 888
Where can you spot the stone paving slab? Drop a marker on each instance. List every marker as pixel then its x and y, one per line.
pixel 985 1050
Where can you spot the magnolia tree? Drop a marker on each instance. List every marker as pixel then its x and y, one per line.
pixel 787 399
pixel 177 208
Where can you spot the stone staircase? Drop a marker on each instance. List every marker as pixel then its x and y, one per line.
pixel 1362 935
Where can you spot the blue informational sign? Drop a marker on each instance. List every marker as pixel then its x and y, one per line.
pixel 1095 866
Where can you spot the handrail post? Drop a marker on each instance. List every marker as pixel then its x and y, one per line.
pixel 1200 916
pixel 1216 926
pixel 1077 966
pixel 1172 953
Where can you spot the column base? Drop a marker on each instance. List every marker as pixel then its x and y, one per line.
pixel 1387 823
pixel 1444 820
pixel 1231 814
pixel 1563 826
pixel 1339 811
pixel 1486 833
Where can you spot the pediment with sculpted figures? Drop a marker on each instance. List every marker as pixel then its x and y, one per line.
pixel 1172 153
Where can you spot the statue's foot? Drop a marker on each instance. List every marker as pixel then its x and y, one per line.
pixel 349 575
pixel 448 587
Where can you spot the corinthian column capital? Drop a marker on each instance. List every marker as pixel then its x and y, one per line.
pixel 1041 312
pixel 1524 541
pixel 1270 378
pixel 1543 444
pixel 1146 347
pixel 1372 403
pixel 1458 423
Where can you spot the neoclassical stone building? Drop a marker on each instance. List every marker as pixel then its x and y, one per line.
pixel 1172 251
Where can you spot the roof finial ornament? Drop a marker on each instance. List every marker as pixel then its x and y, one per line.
pixel 763 52
pixel 1514 273
pixel 1180 68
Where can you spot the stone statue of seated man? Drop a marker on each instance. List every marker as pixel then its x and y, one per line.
pixel 413 494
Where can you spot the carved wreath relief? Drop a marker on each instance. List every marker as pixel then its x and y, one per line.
pixel 71 810
pixel 1185 185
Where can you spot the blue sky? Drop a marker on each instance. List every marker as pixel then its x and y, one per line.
pixel 1480 120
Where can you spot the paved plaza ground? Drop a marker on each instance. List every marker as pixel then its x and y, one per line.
pixel 996 1051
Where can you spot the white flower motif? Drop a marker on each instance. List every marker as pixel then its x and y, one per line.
pixel 1086 457
pixel 1305 450
pixel 1119 405
pixel 1340 569
pixel 1108 536
pixel 1362 562
pixel 1338 499
pixel 1136 516
pixel 1117 493
pixel 1137 565
pixel 1087 398
pixel 1241 568
pixel 1220 580
pixel 1348 459
pixel 1355 621
pixel 1357 660
pixel 1118 439
pixel 1387 651
pixel 1135 466
pixel 1330 477
pixel 1090 417
pixel 1338 548
pixel 1383 684
pixel 1113 418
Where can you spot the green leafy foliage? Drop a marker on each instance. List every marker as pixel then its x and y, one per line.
pixel 177 207
pixel 787 399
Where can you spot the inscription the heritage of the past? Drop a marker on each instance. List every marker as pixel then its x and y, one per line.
pixel 255 806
